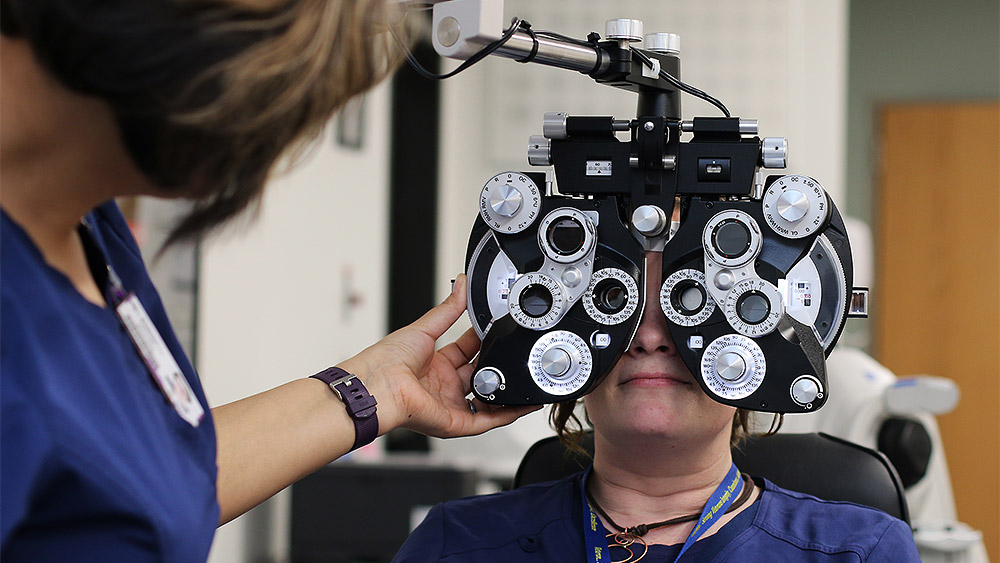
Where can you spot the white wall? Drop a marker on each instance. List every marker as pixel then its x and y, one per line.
pixel 782 62
pixel 275 293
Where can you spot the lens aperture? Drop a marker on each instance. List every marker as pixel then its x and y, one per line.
pixel 610 296
pixel 688 297
pixel 753 307
pixel 535 300
pixel 566 236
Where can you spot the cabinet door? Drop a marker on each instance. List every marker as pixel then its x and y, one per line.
pixel 937 306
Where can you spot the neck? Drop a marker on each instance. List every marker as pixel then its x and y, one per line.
pixel 666 481
pixel 61 157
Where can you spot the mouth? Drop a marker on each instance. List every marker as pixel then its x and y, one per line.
pixel 655 379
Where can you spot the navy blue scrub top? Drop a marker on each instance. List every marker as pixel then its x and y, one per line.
pixel 95 464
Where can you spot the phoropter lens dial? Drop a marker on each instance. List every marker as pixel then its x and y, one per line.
pixel 753 307
pixel 536 301
pixel 684 298
pixel 613 296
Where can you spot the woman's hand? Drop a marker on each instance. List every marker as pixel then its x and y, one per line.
pixel 425 390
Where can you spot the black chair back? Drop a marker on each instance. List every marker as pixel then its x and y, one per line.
pixel 817 464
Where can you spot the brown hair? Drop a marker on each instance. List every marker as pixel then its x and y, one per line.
pixel 570 429
pixel 210 94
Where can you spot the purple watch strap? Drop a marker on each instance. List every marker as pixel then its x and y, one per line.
pixel 361 406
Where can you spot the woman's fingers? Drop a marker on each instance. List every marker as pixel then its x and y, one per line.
pixel 463 350
pixel 435 322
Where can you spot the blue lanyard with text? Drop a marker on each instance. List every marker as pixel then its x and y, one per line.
pixel 715 508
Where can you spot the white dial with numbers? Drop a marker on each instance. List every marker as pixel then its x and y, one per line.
pixel 753 307
pixel 733 366
pixel 612 297
pixel 795 206
pixel 684 298
pixel 510 202
pixel 560 362
pixel 537 301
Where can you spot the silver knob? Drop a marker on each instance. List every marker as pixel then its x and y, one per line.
pixel 749 126
pixel 623 30
pixel 554 125
pixel 805 389
pixel 774 152
pixel 724 280
pixel 666 43
pixel 487 381
pixel 792 205
pixel 556 362
pixel 505 200
pixel 730 366
pixel 572 277
pixel 539 151
pixel 649 220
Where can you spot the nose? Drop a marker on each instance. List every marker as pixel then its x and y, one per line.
pixel 653 336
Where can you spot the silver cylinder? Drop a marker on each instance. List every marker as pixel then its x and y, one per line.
pixel 539 151
pixel 623 29
pixel 748 126
pixel 650 220
pixel 666 43
pixel 774 152
pixel 554 125
pixel 552 52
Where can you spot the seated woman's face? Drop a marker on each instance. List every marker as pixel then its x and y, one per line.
pixel 650 390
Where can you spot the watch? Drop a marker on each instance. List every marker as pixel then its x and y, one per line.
pixel 361 406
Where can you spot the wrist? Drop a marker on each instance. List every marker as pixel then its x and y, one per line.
pixel 361 405
pixel 389 416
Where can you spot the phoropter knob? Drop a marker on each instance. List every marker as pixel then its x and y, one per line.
pixel 505 200
pixel 624 29
pixel 556 362
pixel 539 150
pixel 487 381
pixel 792 205
pixel 774 152
pixel 730 366
pixel 665 43
pixel 650 220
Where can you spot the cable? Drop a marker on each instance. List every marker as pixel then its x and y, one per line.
pixel 682 86
pixel 520 24
pixel 516 24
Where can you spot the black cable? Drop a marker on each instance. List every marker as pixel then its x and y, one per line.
pixel 561 37
pixel 534 43
pixel 682 86
pixel 516 24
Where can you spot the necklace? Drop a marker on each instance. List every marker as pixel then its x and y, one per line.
pixel 625 537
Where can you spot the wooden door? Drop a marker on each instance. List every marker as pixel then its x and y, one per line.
pixel 937 306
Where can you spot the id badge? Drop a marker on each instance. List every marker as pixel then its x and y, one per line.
pixel 159 360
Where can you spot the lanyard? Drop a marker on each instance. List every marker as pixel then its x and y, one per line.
pixel 715 508
pixel 150 345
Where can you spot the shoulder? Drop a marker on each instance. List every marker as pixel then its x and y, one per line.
pixel 802 522
pixel 535 519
